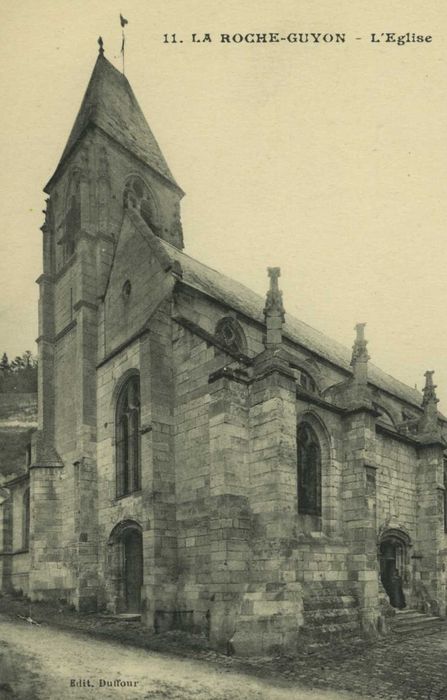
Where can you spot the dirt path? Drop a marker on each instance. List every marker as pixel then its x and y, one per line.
pixel 40 663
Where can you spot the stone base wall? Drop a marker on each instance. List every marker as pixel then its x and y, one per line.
pixel 52 559
pixel 270 620
pixel 297 593
pixel 52 581
pixel 20 572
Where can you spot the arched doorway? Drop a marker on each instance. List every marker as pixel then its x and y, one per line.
pixel 126 566
pixel 393 557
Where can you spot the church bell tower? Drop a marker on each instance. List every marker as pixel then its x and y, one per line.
pixel 111 162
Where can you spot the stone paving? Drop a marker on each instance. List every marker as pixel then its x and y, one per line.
pixel 395 668
pixel 412 667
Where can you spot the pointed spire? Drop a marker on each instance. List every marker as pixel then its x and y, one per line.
pixel 360 357
pixel 110 105
pixel 274 309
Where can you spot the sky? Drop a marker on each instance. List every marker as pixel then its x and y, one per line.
pixel 327 160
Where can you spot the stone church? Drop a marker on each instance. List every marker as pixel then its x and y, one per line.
pixel 203 460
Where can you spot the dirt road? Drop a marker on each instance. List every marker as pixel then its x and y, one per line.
pixel 40 663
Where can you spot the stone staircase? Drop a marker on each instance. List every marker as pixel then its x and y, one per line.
pixel 330 611
pixel 409 621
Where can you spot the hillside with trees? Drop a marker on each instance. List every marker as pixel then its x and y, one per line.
pixel 18 375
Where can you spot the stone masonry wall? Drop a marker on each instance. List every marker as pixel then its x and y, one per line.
pixel 51 572
pixel 430 559
pixel 396 484
pixel 152 507
pixel 18 536
pixel 193 363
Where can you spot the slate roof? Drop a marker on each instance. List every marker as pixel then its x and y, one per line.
pixel 242 299
pixel 110 104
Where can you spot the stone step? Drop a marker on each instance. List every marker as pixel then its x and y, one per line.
pixel 340 628
pixel 331 619
pixel 407 613
pixel 322 617
pixel 413 621
pixel 329 602
pixel 329 611
pixel 421 629
pixel 127 617
pixel 416 622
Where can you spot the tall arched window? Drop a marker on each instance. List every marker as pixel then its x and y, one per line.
pixel 128 438
pixel 25 519
pixel 309 470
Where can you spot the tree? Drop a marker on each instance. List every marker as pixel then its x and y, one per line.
pixel 17 363
pixel 28 358
pixel 20 375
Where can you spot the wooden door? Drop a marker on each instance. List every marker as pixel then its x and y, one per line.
pixel 133 563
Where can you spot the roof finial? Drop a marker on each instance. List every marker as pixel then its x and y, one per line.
pixel 274 309
pixel 360 357
pixel 101 46
pixel 429 390
pixel 429 421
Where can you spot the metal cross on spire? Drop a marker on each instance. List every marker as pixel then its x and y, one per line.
pixel 123 22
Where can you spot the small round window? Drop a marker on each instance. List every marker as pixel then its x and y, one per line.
pixel 230 333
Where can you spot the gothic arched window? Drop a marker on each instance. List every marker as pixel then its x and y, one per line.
pixel 309 470
pixel 138 196
pixel 128 438
pixel 25 519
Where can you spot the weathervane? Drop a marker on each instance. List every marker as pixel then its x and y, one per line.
pixel 123 22
pixel 101 46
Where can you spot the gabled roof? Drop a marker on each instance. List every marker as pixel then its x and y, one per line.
pixel 110 104
pixel 240 298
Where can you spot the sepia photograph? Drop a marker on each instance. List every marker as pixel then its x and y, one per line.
pixel 223 354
